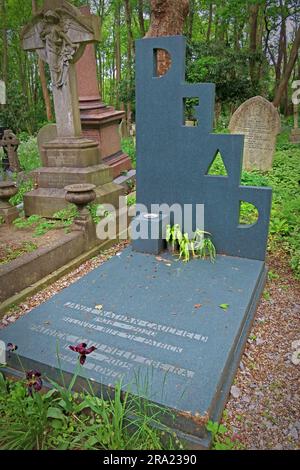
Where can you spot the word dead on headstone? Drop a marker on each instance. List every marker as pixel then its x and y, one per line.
pixel 259 121
pixel 2 92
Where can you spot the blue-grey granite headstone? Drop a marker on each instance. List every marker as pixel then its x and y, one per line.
pixel 173 160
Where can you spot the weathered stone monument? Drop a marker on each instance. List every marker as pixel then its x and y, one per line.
pixel 59 34
pixel 99 121
pixel 259 121
pixel 10 143
pixel 2 92
pixel 295 133
pixel 168 338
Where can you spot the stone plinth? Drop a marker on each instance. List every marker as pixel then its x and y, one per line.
pixel 295 133
pixel 295 136
pixel 99 122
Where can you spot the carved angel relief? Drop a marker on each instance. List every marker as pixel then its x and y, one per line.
pixel 59 49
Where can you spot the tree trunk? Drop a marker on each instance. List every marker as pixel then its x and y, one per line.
pixel 289 68
pixel 118 50
pixel 254 12
pixel 167 19
pixel 4 68
pixel 141 17
pixel 210 19
pixel 128 16
pixel 43 78
pixel 191 17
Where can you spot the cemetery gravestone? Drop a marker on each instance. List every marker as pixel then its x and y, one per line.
pixel 295 134
pixel 259 121
pixel 46 134
pixel 59 34
pixel 153 337
pixel 2 92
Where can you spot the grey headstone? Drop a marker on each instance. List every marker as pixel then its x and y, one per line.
pixel 259 121
pixel 46 134
pixel 2 92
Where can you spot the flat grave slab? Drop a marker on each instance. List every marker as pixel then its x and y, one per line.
pixel 160 331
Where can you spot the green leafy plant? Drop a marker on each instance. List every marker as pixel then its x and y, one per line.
pixel 203 245
pixel 128 147
pixel 23 188
pixel 199 246
pixel 174 236
pixel 65 419
pixel 28 153
pixel 131 199
pixel 11 253
pixel 221 439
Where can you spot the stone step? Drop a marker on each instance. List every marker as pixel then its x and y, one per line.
pixel 46 201
pixel 70 153
pixel 59 177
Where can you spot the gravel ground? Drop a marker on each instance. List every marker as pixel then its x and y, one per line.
pixel 264 406
pixel 263 410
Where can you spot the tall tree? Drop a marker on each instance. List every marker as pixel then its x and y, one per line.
pixel 253 20
pixel 3 26
pixel 118 48
pixel 42 74
pixel 141 16
pixel 288 71
pixel 167 19
pixel 130 49
pixel 210 20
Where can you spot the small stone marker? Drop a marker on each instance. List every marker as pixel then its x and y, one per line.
pixel 46 134
pixel 295 134
pixel 2 92
pixel 259 121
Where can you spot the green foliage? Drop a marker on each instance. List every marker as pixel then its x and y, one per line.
pixel 65 420
pixel 128 147
pixel 62 219
pixel 28 153
pixel 220 64
pixel 200 246
pixel 11 253
pixel 248 213
pixel 66 215
pixel 23 188
pixel 131 199
pixel 221 438
pixel 285 220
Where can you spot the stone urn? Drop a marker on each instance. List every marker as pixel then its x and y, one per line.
pixel 8 212
pixel 81 195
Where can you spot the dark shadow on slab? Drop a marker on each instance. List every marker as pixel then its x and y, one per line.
pixel 150 333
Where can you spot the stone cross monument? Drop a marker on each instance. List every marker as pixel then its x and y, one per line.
pixel 59 34
pixel 295 134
